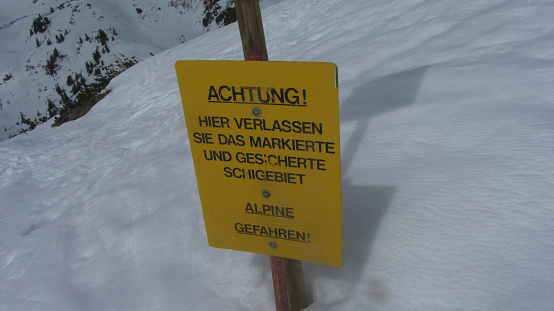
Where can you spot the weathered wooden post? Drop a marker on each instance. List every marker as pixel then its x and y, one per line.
pixel 251 29
pixel 288 277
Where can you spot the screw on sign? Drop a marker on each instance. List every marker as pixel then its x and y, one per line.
pixel 256 112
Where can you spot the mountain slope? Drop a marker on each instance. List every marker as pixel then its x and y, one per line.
pixel 52 50
pixel 446 143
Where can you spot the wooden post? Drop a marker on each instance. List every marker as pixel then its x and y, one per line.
pixel 279 273
pixel 288 277
pixel 249 18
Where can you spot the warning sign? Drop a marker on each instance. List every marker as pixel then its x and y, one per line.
pixel 264 138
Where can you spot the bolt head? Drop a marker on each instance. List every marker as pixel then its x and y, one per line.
pixel 256 112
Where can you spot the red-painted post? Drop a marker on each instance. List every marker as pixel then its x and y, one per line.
pixel 288 279
pixel 279 273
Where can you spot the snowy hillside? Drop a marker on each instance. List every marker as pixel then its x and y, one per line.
pixel 50 50
pixel 447 137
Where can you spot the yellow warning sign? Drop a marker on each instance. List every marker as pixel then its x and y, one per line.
pixel 264 138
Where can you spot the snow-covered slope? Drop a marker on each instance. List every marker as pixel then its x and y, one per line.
pixel 447 137
pixel 49 49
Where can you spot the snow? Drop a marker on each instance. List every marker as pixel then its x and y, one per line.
pixel 446 137
pixel 24 54
pixel 132 30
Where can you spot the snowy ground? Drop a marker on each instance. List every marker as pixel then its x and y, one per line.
pixel 447 135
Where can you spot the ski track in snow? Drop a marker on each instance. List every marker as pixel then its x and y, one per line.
pixel 447 140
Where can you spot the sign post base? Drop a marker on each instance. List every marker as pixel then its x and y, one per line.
pixel 288 284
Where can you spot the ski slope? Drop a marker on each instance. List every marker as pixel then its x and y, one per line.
pixel 447 137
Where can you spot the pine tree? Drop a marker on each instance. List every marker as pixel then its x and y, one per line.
pixel 102 37
pixel 96 56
